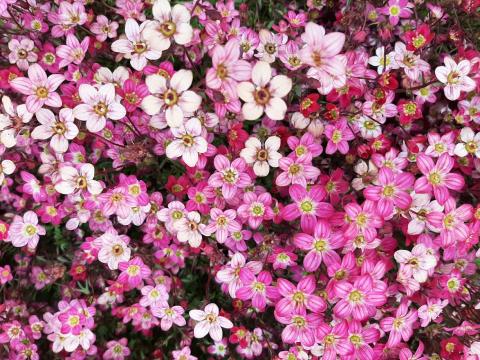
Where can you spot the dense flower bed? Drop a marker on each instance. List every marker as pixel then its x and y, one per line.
pixel 249 179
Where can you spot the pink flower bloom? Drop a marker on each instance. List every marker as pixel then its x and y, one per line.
pixel 308 206
pixel 209 322
pixel 321 52
pixel 39 88
pixel 25 230
pixel 338 136
pixel 392 190
pixel 360 337
pixel 255 209
pixel 257 289
pixel 419 263
pixel 400 326
pixel 133 272
pixel 113 248
pixel 117 201
pixel 21 53
pixel 296 171
pixel 229 176
pixel 60 131
pixel 298 298
pixel 320 246
pixel 73 51
pixel 300 327
pixel 227 69
pixel 396 10
pixel 103 28
pixel 117 350
pixel 334 340
pixel 98 106
pixel 222 223
pixel 183 354
pixel 78 180
pixel 359 299
pixel 154 296
pixel 189 142
pixel 230 274
pixel 169 315
pixel 5 274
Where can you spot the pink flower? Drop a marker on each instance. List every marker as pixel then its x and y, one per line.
pixel 296 171
pixel 400 326
pixel 188 143
pixel 103 28
pixel 227 69
pixel 396 10
pixel 338 136
pixel 334 340
pixel 320 246
pixel 73 51
pixel 5 274
pixel 117 350
pixel 78 180
pixel 300 327
pixel 230 176
pixel 321 52
pixel 183 354
pixel 308 206
pixel 360 337
pixel 298 298
pixel 133 272
pixel 255 209
pixel 230 274
pixel 39 88
pixel 25 230
pixel 60 131
pixel 257 289
pixel 222 223
pixel 22 53
pixel 169 315
pixel 431 311
pixel 391 191
pixel 419 263
pixel 359 299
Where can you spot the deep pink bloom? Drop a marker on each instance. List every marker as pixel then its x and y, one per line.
pixel 400 326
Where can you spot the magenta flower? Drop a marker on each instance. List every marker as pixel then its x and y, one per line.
pixel 296 171
pixel 25 230
pixel 437 177
pixel 396 10
pixel 400 326
pixel 360 337
pixel 230 176
pixel 257 289
pixel 320 246
pixel 222 224
pixel 300 327
pixel 230 274
pixel 360 299
pixel 308 206
pixel 73 51
pixel 255 209
pixel 363 220
pixel 334 340
pixel 133 272
pixel 169 316
pixel 298 298
pixel 391 191
pixel 338 136
pixel 39 88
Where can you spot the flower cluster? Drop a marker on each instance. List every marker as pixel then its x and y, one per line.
pixel 291 180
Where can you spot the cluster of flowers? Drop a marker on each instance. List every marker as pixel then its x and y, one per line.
pixel 199 180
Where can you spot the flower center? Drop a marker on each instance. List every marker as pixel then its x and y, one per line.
pixel 258 286
pixel 418 41
pixel 471 147
pixel 262 96
pixel 131 98
pixel 170 97
pixel 211 318
pixel 168 28
pixel 59 128
pixel 394 10
pixel 41 92
pixel 369 125
pixel 270 48
pixel 222 71
pixel 81 182
pixel 294 169
pixel 435 178
pixel 336 136
pixel 299 321
pixel 262 155
pixel 388 191
pixel 133 270
pixel 140 47
pixel 355 296
pixel 117 250
pixel 100 108
pixel 453 78
pixel 320 245
pixel 329 339
pixel 229 176
pixel 188 140
pixel 22 54
pixel 449 221
pixel 30 230
pixel 356 339
pixel 258 210
pixel 299 297
pixel 306 206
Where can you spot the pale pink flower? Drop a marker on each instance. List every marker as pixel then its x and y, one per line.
pixel 300 327
pixel 229 176
pixel 169 24
pixel 188 142
pixel 136 47
pixel 396 10
pixel 321 52
pixel 172 97
pixel 338 136
pixel 22 53
pixel 440 144
pixel 113 249
pixel 169 315
pixel 73 51
pixel 455 76
pixel 98 106
pixel 59 130
pixel 73 180
pixel 296 171
pixel 7 167
pixel 154 296
pixel 209 322
pixel 11 122
pixel 39 88
pixel 222 223
pixel 262 156
pixel 264 94
pixel 470 143
pixel 227 69
pixel 25 230
pixel 400 326
pixel 419 263
pixel 104 29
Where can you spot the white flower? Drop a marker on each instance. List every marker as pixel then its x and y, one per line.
pixel 75 180
pixel 104 76
pixel 189 229
pixel 455 77
pixel 417 263
pixel 173 97
pixel 262 157
pixel 98 106
pixel 189 142
pixel 264 94
pixel 7 167
pixel 169 23
pixel 470 144
pixel 369 129
pixel 135 47
pixel 383 61
pixel 419 209
pixel 367 173
pixel 60 131
pixel 12 122
pixel 209 322
pixel 113 249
